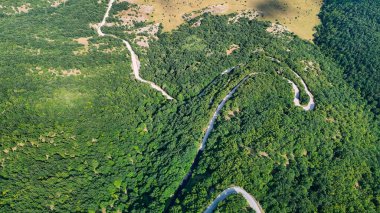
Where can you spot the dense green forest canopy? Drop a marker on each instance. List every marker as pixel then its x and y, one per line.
pixel 350 33
pixel 78 133
pixel 234 204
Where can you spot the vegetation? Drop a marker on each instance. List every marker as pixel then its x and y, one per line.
pixel 10 7
pixel 100 140
pixel 231 204
pixel 350 34
pixel 298 15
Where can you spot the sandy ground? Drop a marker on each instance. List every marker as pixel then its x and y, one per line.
pixel 232 49
pixel 300 16
pixel 23 8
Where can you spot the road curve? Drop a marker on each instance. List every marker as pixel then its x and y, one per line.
pixel 134 58
pixel 227 71
pixel 235 190
pixel 232 190
pixel 296 100
pixel 217 111
pixel 201 148
pixel 238 190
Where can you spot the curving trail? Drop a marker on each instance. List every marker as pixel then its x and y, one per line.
pixel 232 190
pixel 217 111
pixel 296 100
pixel 227 71
pixel 210 127
pixel 238 190
pixel 235 190
pixel 134 58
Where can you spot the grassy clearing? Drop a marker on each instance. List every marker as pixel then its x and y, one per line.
pixel 300 16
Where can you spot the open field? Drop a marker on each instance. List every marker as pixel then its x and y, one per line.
pixel 300 16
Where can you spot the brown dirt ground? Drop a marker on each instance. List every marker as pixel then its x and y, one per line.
pixel 300 16
pixel 232 49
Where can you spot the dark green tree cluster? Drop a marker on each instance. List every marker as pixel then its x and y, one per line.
pixel 274 121
pixel 234 203
pixel 350 34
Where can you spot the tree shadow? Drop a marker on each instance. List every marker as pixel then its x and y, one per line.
pixel 272 8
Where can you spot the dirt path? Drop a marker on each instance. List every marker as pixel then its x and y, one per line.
pixel 235 190
pixel 296 100
pixel 232 190
pixel 134 58
pixel 227 71
pixel 238 190
pixel 210 126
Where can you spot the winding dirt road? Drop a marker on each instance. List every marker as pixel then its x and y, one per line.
pixel 252 202
pixel 217 111
pixel 227 71
pixel 296 100
pixel 134 58
pixel 235 190
pixel 232 190
pixel 238 190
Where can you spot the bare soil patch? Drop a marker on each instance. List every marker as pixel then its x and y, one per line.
pixel 83 40
pixel 197 23
pixel 145 34
pixel 249 14
pixel 23 8
pixel 58 3
pixel 64 73
pixel 232 48
pixel 142 41
pixel 151 30
pixel 56 72
pixel 299 16
pixel 85 43
pixel 277 29
pixel 132 15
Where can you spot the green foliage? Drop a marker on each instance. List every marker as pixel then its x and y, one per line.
pixel 102 140
pixel 350 34
pixel 234 203
pixel 193 43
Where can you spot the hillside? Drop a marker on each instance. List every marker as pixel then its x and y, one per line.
pixel 299 16
pixel 95 119
pixel 350 33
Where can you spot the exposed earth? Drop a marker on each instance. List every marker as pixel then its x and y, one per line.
pixel 299 16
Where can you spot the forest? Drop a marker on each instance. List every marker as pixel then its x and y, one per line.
pixel 99 140
pixel 349 33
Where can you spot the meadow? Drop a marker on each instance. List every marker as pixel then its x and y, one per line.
pixel 300 16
